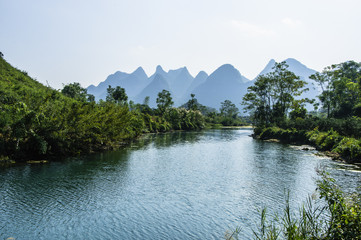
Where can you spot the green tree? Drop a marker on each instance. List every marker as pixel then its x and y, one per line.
pixel 164 101
pixel 146 101
pixel 272 95
pixel 120 96
pixel 110 97
pixel 229 109
pixel 341 88
pixel 116 95
pixel 192 103
pixel 74 90
pixel 90 98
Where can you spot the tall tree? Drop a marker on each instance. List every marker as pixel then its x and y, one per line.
pixel 192 103
pixel 273 95
pixel 164 101
pixel 229 109
pixel 341 88
pixel 326 97
pixel 74 90
pixel 116 95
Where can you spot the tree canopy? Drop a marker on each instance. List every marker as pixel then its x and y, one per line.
pixel 341 89
pixel 272 95
pixel 164 101
pixel 116 95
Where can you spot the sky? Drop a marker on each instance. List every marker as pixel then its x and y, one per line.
pixel 65 41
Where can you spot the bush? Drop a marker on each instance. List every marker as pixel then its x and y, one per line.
pixel 270 132
pixel 331 140
pixel 349 148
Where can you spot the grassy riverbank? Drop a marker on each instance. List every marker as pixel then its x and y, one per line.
pixel 335 145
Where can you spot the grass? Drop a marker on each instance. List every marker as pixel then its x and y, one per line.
pixel 333 215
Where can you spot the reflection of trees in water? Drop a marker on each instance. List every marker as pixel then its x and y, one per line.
pixel 167 139
pixel 66 183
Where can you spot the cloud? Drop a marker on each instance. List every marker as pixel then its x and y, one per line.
pixel 291 22
pixel 251 30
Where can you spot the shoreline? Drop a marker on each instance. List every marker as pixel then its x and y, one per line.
pixel 332 155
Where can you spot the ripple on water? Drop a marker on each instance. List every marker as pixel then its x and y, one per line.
pixel 169 186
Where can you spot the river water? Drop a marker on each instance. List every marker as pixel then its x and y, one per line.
pixel 182 185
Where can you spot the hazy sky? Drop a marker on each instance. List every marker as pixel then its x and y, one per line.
pixel 63 41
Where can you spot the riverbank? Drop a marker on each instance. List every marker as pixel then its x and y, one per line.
pixel 330 143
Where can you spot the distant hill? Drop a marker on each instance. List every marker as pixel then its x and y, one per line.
pixel 152 89
pixel 133 83
pixel 225 83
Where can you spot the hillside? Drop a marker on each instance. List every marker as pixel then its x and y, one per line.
pixel 38 122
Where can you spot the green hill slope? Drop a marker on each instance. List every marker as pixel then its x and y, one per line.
pixel 38 122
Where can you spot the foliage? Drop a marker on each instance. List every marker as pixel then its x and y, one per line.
pixel 164 101
pixel 341 89
pixel 350 148
pixel 272 95
pixel 38 122
pixel 74 90
pixel 116 95
pixel 335 215
pixel 229 109
pixel 192 103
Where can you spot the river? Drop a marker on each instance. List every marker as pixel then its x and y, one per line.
pixel 182 185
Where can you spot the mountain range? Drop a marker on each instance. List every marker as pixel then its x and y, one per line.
pixel 225 83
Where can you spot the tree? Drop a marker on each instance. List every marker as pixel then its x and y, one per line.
pixel 164 101
pixel 110 91
pixel 273 95
pixel 146 101
pixel 192 103
pixel 74 90
pixel 341 88
pixel 116 95
pixel 326 97
pixel 120 96
pixel 90 98
pixel 1 55
pixel 228 109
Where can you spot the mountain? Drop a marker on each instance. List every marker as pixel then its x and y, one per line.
pixel 198 80
pixel 152 89
pixel 226 83
pixel 133 83
pixel 179 82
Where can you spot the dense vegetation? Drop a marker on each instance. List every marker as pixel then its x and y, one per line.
pixel 38 122
pixel 278 112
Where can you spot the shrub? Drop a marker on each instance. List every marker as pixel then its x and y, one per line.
pixel 271 132
pixel 349 148
pixel 331 140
